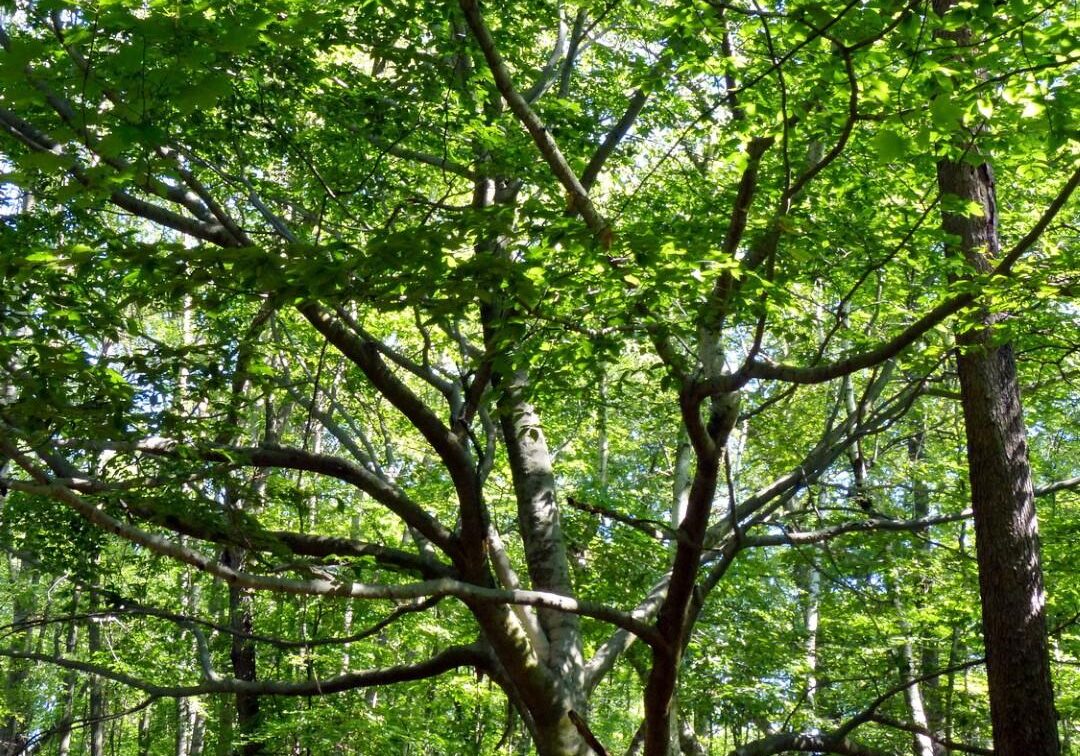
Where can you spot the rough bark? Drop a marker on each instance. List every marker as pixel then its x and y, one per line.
pixel 1007 548
pixel 1007 535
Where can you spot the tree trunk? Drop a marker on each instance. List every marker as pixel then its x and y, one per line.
pixel 243 660
pixel 554 684
pixel 545 556
pixel 672 620
pixel 1007 549
pixel 198 730
pixel 928 661
pixel 190 720
pixel 144 737
pixel 13 731
pixel 922 745
pixel 97 691
pixel 813 600
pixel 225 718
pixel 1006 530
pixel 71 679
pixel 184 722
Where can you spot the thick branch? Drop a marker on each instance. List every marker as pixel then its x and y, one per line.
pixel 805 742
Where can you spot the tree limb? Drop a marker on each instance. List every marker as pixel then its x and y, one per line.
pixel 578 195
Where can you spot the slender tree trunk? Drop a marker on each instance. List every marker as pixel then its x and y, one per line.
pixel 347 622
pixel 13 731
pixel 183 727
pixel 225 716
pixel 190 719
pixel 145 734
pixel 1006 530
pixel 602 435
pixel 71 679
pixel 681 487
pixel 198 730
pixel 922 745
pixel 928 661
pixel 813 598
pixel 97 691
pixel 243 660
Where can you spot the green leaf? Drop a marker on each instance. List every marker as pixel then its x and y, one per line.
pixel 945 112
pixel 889 145
pixel 205 93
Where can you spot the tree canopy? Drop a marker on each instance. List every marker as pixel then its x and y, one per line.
pixel 566 377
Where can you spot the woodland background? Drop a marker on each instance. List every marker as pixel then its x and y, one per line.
pixel 564 376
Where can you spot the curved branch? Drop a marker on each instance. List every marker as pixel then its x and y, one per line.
pixel 452 658
pixel 1032 236
pixel 328 585
pixel 893 347
pixel 950 745
pixel 806 742
pixel 792 538
pixel 830 371
pixel 387 494
pixel 1061 485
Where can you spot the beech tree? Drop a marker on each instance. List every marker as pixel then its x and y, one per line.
pixel 569 378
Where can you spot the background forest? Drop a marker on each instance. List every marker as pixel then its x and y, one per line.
pixel 558 377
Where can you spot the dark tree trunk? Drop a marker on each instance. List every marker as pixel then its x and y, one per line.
pixel 243 661
pixel 1007 548
pixel 1006 530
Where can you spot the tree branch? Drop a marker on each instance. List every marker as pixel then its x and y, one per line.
pixel 578 195
pixel 451 658
pixel 873 524
pixel 322 586
pixel 387 494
